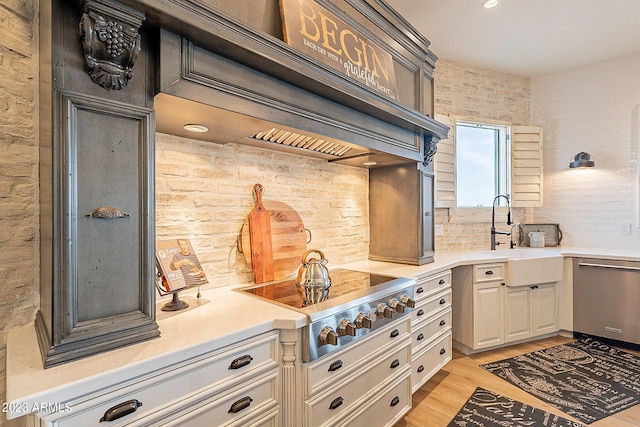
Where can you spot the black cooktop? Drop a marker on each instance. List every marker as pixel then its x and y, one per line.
pixel 342 282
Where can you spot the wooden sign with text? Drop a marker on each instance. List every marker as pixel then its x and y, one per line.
pixel 317 32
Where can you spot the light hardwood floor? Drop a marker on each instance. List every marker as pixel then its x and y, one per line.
pixel 440 399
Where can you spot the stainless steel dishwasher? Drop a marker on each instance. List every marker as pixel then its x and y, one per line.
pixel 606 299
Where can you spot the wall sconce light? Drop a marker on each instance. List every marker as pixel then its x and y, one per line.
pixel 582 160
pixel 488 4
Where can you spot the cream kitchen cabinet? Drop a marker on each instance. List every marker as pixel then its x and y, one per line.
pixel 478 306
pixel 363 384
pixel 233 386
pixel 531 311
pixel 488 314
pixel 430 327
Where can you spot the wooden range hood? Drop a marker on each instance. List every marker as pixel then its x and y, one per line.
pixel 241 81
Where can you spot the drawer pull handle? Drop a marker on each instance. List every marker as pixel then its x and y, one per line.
pixel 442 323
pixel 394 333
pixel 395 364
pixel 441 282
pixel 420 312
pixel 337 402
pixel 443 351
pixel 420 368
pixel 443 301
pixel 240 362
pixel 420 337
pixel 488 272
pixel 120 410
pixel 107 212
pixel 335 365
pixel 239 405
pixel 395 401
pixel 419 290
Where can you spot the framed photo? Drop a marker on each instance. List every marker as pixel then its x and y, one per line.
pixel 178 266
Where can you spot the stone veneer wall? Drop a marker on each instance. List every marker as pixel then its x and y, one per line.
pixel 204 192
pixel 464 90
pixel 19 259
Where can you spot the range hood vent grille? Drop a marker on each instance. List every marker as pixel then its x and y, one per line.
pixel 293 139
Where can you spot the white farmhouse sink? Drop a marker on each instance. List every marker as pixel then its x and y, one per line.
pixel 532 267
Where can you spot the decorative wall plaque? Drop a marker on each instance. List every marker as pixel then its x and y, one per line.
pixel 109 32
pixel 320 34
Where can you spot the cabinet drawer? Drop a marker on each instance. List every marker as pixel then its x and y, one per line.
pixel 220 370
pixel 336 401
pixel 386 410
pixel 430 306
pixel 329 370
pixel 431 284
pixel 427 331
pixel 252 403
pixel 426 363
pixel 488 272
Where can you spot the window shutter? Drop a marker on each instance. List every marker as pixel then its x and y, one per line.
pixel 444 166
pixel 526 166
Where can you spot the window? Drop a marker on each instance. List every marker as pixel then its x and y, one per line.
pixel 509 161
pixel 483 163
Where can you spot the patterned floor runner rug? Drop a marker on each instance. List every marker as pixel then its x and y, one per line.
pixel 586 379
pixel 488 409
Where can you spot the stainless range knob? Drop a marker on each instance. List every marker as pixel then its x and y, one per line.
pixel 408 301
pixel 363 321
pixel 384 310
pixel 328 336
pixel 346 327
pixel 397 305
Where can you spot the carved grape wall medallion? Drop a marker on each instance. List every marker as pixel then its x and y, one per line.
pixel 111 43
pixel 430 149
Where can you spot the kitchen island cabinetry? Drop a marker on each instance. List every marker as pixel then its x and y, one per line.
pixel 364 384
pixel 233 386
pixel 430 328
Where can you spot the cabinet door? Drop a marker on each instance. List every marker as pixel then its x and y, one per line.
pixel 517 313
pixel 428 213
pixel 545 309
pixel 488 314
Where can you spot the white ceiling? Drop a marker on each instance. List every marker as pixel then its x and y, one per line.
pixel 526 38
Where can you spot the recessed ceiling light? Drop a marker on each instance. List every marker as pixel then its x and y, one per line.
pixel 488 4
pixel 370 163
pixel 196 128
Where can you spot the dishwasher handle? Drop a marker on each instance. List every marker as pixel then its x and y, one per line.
pixel 617 267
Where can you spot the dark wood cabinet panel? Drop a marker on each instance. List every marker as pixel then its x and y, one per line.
pixel 97 202
pixel 401 214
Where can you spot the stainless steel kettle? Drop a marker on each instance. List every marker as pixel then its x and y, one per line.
pixel 313 279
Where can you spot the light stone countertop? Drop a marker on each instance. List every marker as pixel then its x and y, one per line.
pixel 223 316
pixel 445 260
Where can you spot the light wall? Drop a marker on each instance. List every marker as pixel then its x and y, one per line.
pixel 464 90
pixel 19 222
pixel 592 109
pixel 204 192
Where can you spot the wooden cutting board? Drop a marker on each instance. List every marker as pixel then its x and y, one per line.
pixel 288 239
pixel 260 239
